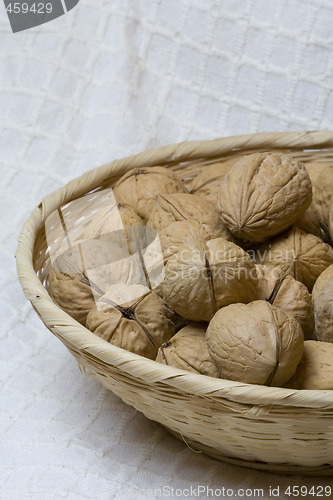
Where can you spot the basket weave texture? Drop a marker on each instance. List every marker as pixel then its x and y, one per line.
pixel 282 430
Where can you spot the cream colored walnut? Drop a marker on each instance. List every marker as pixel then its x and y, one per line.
pixel 293 297
pixel 115 217
pixel 188 350
pixel 72 292
pixel 110 259
pixel 122 230
pixel 264 194
pixel 268 278
pixel 322 298
pixel 302 255
pixel 314 371
pixel 322 195
pixel 330 222
pixel 255 343
pixel 207 182
pixel 169 208
pixel 314 169
pixel 117 259
pixel 140 186
pixel 310 222
pixel 283 291
pixel 140 326
pixel 184 232
pixel 202 276
pixel 80 275
pixel 322 281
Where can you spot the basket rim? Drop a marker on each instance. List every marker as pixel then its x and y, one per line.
pixel 77 337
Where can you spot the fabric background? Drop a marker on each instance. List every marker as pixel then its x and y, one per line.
pixel 109 79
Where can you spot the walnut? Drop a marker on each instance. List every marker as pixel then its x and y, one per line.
pixel 322 298
pixel 302 255
pixel 72 293
pixel 121 229
pixel 330 222
pixel 310 222
pixel 141 326
pixel 207 182
pixel 122 256
pixel 169 208
pixel 283 291
pixel 188 350
pixel 140 186
pixel 255 343
pixel 323 281
pixel 70 282
pixel 114 217
pixel 314 169
pixel 263 194
pixel 315 368
pixel 184 232
pixel 202 276
pixel 322 196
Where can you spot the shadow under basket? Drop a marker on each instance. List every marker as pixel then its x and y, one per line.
pixel 273 429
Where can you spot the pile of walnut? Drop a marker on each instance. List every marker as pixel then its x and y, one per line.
pixel 247 290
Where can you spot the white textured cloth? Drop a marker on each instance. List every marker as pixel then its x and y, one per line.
pixel 107 80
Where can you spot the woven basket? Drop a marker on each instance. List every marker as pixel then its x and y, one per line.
pixel 281 430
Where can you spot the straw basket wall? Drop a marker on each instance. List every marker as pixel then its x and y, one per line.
pixel 266 428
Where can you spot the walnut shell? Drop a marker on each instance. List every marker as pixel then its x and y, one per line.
pixel 207 182
pixel 323 281
pixel 72 293
pixel 140 186
pixel 302 255
pixel 322 195
pixel 113 259
pixel 188 350
pixel 314 169
pixel 202 276
pixel 169 208
pixel 184 232
pixel 133 252
pixel 322 298
pixel 310 222
pixel 81 274
pixel 330 222
pixel 130 257
pixel 283 291
pixel 263 194
pixel 115 217
pixel 140 326
pixel 315 368
pixel 255 343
